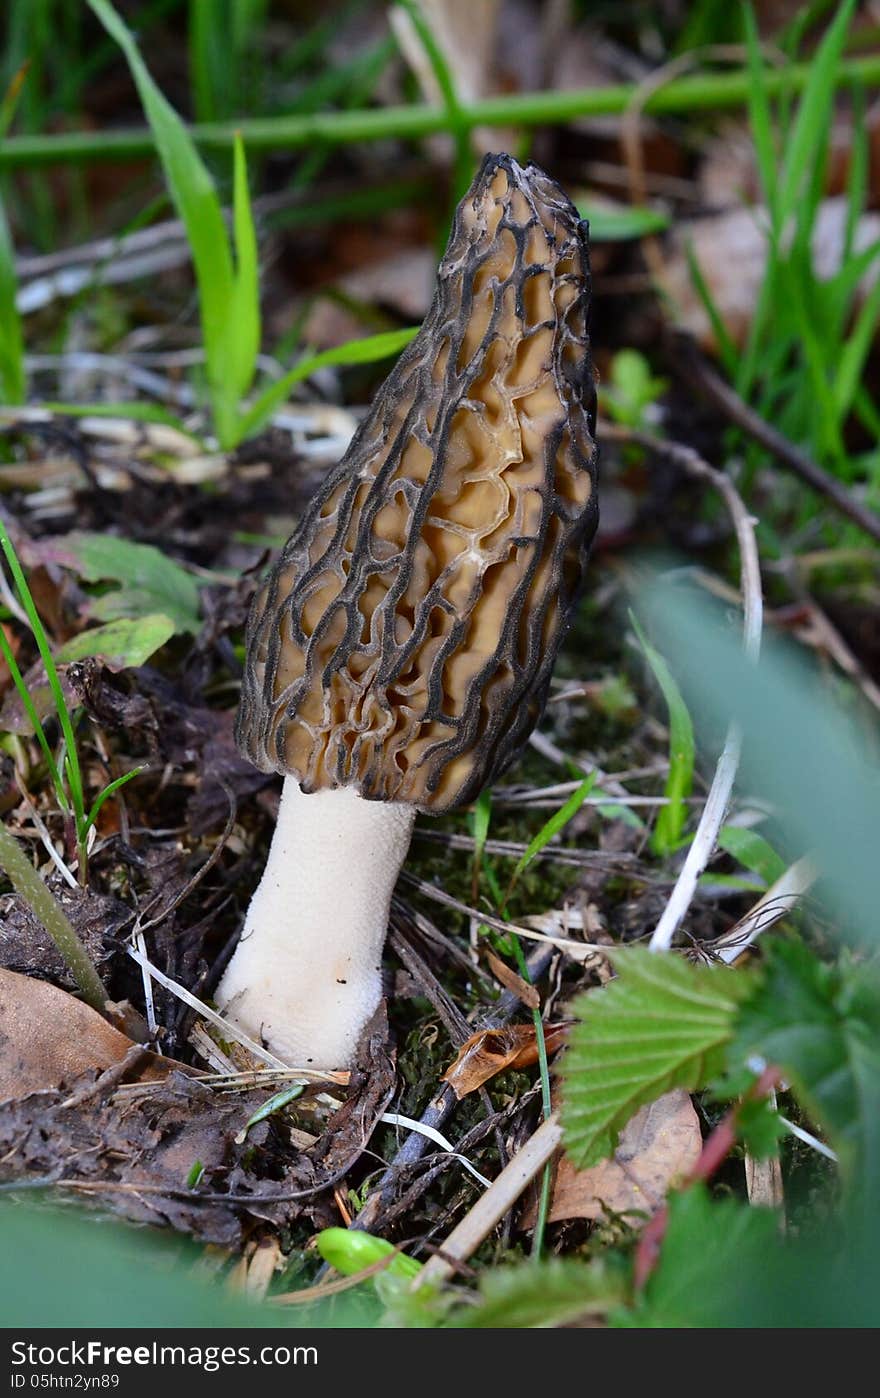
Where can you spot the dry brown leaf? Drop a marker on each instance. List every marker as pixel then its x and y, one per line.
pixel 657 1146
pixel 524 992
pixel 47 1037
pixel 492 1051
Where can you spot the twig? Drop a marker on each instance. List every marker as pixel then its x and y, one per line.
pixel 491 1207
pixel 432 1134
pixel 559 854
pixel 718 798
pixel 110 1078
pixel 578 951
pixel 694 367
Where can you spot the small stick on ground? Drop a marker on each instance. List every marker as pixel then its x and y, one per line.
pixel 464 1239
pixel 694 368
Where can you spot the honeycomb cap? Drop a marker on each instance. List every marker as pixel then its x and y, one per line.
pixel 404 639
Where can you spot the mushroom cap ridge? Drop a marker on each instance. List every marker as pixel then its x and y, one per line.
pixel 403 641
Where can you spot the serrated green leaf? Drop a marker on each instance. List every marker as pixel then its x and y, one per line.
pixel 537 1296
pixel 662 1023
pixel 124 643
pixel 150 582
pixel 821 1025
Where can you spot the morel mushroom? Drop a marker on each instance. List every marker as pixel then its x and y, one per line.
pixel 400 651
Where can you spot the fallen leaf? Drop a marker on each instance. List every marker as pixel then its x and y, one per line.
pixel 492 1051
pixel 133 1151
pixel 150 582
pixel 657 1146
pixel 524 992
pixel 47 1038
pixel 121 643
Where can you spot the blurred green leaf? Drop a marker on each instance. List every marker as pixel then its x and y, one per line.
pixel 539 1295
pixel 709 1252
pixel 621 222
pixel 802 752
pixel 728 1265
pixel 759 1127
pixel 752 851
pixel 74 1271
pixel 632 389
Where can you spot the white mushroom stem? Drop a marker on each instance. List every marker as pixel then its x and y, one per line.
pixel 307 973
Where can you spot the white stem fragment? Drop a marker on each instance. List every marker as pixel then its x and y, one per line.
pixel 307 973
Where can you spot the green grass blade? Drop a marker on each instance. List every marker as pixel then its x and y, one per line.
pixel 133 412
pixel 196 200
pixel 12 376
pixel 858 178
pixel 464 159
pixel 34 719
pixel 365 351
pixel 552 827
pixel 759 114
pixel 206 56
pixel 108 791
pixel 726 349
pixel 811 124
pixel 42 640
pixel 679 784
pixel 855 351
pixel 244 345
